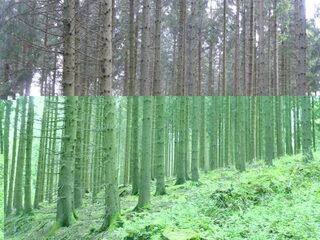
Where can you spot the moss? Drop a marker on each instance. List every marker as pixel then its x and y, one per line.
pixel 115 222
pixel 170 233
pixel 55 227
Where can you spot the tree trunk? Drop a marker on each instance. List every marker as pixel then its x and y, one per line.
pixel 159 145
pixel 145 172
pixel 106 58
pixel 27 184
pixel 68 76
pixel 112 204
pixel 65 208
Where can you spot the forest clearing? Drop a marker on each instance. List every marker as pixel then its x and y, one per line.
pixel 66 157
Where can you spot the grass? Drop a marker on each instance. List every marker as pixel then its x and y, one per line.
pixel 280 202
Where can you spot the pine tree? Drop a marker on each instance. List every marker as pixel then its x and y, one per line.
pixel 6 134
pixel 29 140
pixel 18 186
pixel 306 129
pixel 65 208
pixel 159 145
pixel 112 204
pixel 145 165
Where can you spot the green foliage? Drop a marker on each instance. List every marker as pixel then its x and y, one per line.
pixel 279 202
pixel 55 227
pixel 152 232
pixel 179 234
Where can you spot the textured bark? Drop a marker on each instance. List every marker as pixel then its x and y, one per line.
pixel 65 208
pixel 38 198
pixel 112 204
pixel 250 90
pixel 6 134
pixel 145 166
pixel 106 58
pixel 29 139
pixel 236 79
pixel 128 152
pixel 224 57
pixel 145 80
pixel 301 48
pixel 132 55
pixel 275 78
pixel 18 186
pixel 269 130
pixel 181 89
pixel 181 131
pixel 195 139
pixel 135 147
pixel 239 124
pixel 78 190
pixel 159 145
pixel 69 48
pixel 157 88
pixel 306 129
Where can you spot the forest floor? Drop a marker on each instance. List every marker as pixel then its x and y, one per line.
pixel 279 202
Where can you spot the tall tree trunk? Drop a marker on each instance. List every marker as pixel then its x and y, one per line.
pixel 68 76
pixel 157 89
pixel 159 145
pixel 18 187
pixel 195 139
pixel 6 134
pixel 29 139
pixel 145 82
pixel 106 58
pixel 135 147
pixel 301 47
pixel 65 208
pixel 13 159
pixel 145 172
pixel 306 129
pixel 132 60
pixel 224 57
pixel 181 85
pixel 236 81
pixel 112 204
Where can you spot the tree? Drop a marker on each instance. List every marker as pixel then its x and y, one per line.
pixel 195 139
pixel 65 208
pixel 69 48
pixel 301 86
pixel 180 135
pixel 180 87
pixel 159 145
pixel 112 204
pixel 135 170
pixel 29 140
pixel 13 161
pixel 224 57
pixel 145 81
pixel 18 186
pixel 269 130
pixel 306 129
pixel 157 89
pixel 8 106
pixel 106 60
pixel 145 165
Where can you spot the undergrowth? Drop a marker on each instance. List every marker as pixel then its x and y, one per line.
pixel 279 202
